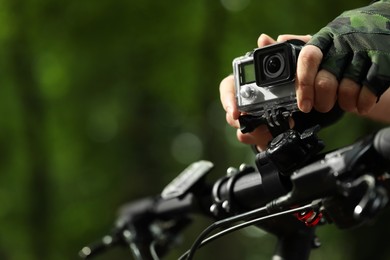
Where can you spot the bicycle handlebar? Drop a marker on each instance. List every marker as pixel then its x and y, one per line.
pixel 351 184
pixel 382 143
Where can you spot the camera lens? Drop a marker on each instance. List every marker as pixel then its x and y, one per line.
pixel 273 65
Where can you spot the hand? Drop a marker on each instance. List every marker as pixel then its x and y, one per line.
pixel 351 51
pixel 345 63
pixel 321 89
pixel 260 136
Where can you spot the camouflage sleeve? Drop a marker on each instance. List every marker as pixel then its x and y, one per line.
pixel 356 45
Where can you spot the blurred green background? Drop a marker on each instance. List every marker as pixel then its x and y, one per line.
pixel 103 102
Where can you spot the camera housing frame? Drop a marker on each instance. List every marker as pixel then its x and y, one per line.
pixel 265 80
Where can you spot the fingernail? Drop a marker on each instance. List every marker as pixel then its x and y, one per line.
pixel 306 106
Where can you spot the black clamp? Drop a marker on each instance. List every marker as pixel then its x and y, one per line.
pixel 223 205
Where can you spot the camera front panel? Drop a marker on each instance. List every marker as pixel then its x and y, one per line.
pixel 273 65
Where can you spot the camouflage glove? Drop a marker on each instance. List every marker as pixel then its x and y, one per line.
pixel 356 45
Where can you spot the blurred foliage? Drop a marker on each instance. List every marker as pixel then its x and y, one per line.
pixel 106 101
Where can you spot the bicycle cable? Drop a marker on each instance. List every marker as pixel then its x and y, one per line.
pixel 202 241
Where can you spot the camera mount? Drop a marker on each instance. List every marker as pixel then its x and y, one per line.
pixel 277 122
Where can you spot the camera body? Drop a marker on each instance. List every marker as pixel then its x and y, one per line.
pixel 265 79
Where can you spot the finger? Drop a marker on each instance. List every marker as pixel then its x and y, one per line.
pixel 381 110
pixel 366 101
pixel 358 68
pixel 325 91
pixel 378 77
pixel 307 67
pixel 265 40
pixel 286 37
pixel 348 94
pixel 232 122
pixel 260 137
pixel 227 96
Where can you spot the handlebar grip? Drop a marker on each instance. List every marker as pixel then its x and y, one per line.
pixel 382 143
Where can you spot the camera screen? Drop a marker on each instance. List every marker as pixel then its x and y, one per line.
pixel 248 73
